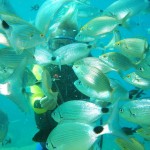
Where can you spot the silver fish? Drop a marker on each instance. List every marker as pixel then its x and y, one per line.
pixel 70 53
pixel 117 61
pixel 134 79
pixel 78 111
pixel 92 77
pixel 133 48
pixel 21 34
pixel 93 94
pixel 136 111
pixel 97 26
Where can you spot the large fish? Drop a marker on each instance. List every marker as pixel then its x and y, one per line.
pixel 136 111
pixel 21 34
pixel 78 111
pixel 3 125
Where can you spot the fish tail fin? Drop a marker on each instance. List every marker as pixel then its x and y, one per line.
pixel 116 37
pixel 113 123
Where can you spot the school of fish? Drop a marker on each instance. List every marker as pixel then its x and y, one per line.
pixel 59 36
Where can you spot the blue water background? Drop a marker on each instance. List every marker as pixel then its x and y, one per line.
pixel 22 126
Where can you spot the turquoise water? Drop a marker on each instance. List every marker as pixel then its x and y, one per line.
pixel 22 126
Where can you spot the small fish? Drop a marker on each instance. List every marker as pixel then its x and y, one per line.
pixel 136 111
pixel 12 87
pixel 3 125
pixel 21 34
pixel 116 61
pixel 139 82
pixel 70 53
pixel 92 77
pixel 78 111
pixel 81 136
pixel 132 144
pixel 97 26
pixel 132 47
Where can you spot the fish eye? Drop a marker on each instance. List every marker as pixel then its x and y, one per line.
pixel 89 46
pixel 121 110
pixel 128 76
pixel 53 58
pixel 41 35
pixel 141 69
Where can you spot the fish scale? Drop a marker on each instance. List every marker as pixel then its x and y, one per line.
pixel 92 77
pixel 69 53
pixel 74 131
pixel 137 111
pixel 77 110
